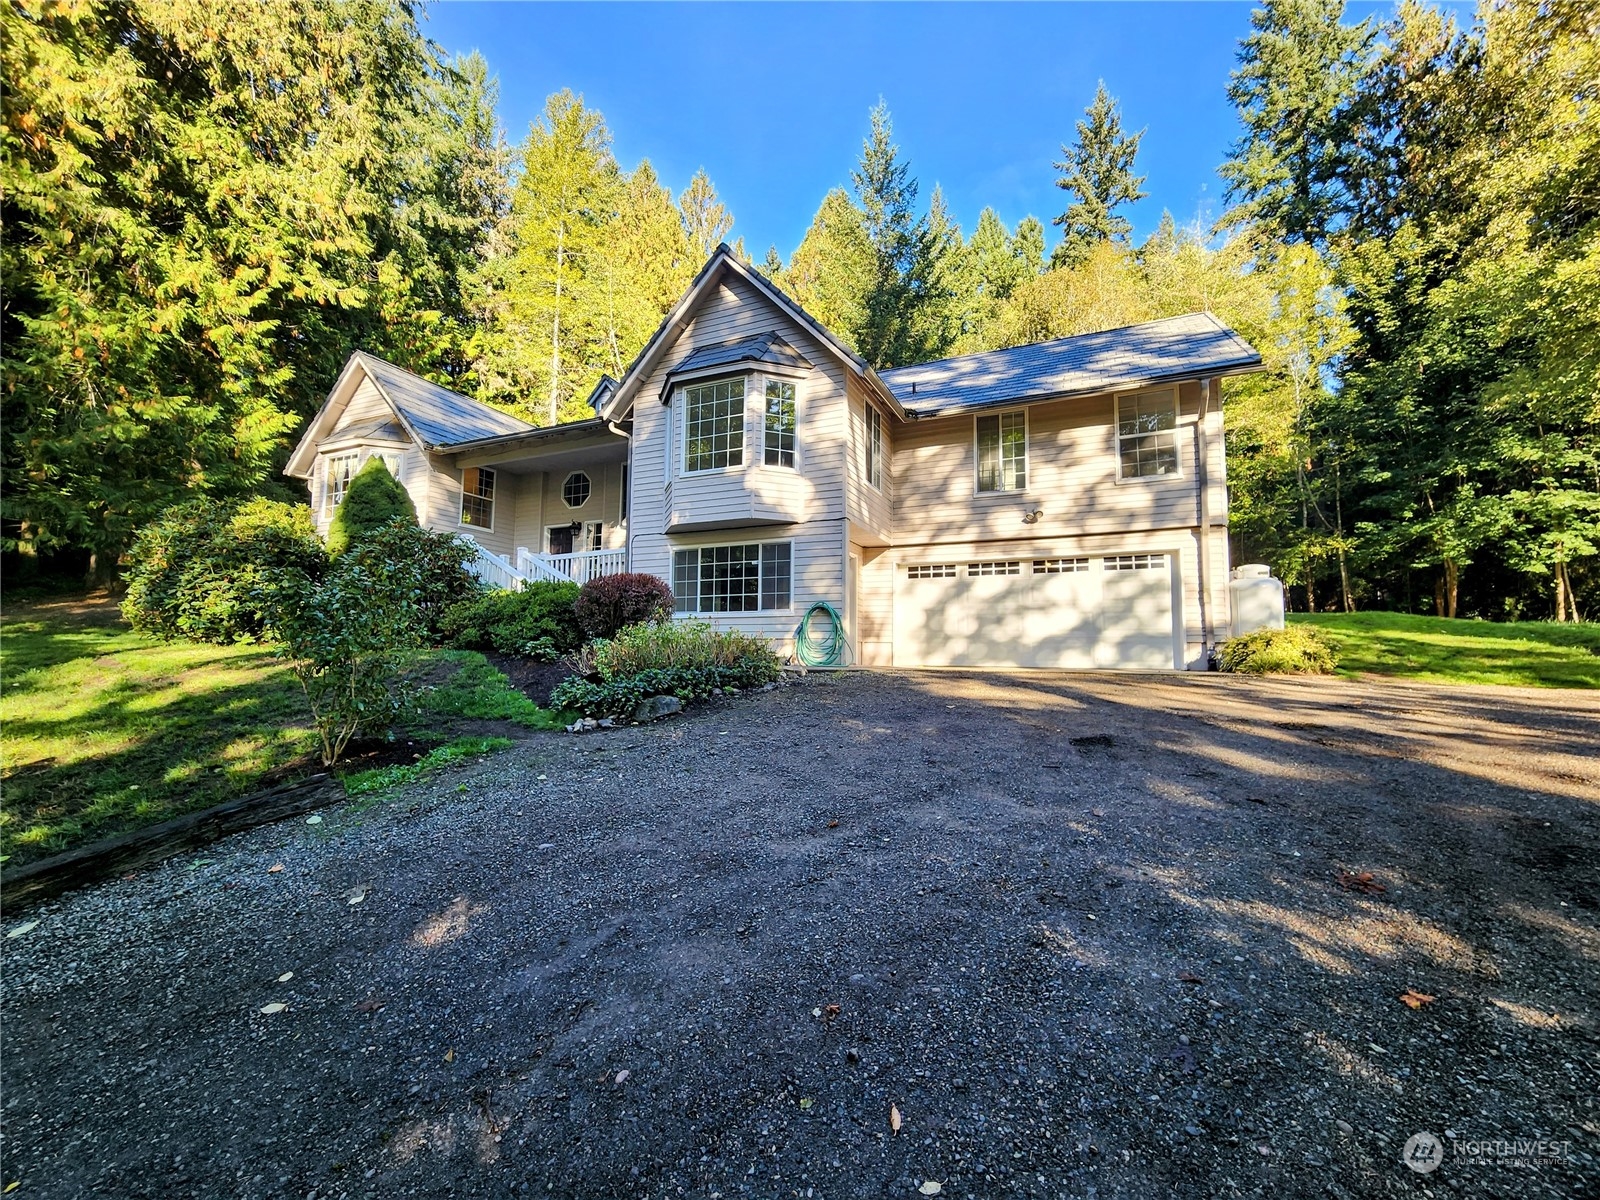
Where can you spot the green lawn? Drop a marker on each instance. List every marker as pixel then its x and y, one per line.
pixel 103 730
pixel 1522 653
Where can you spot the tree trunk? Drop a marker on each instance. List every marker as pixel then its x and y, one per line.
pixel 1438 596
pixel 1344 583
pixel 1311 591
pixel 1452 583
pixel 1561 592
pixel 555 336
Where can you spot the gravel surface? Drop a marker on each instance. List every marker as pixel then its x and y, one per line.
pixel 1026 935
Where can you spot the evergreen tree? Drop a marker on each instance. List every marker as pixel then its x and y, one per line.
pixel 705 221
pixel 1097 171
pixel 831 271
pixel 895 327
pixel 373 499
pixel 1297 87
pixel 643 266
pixel 772 268
pixel 948 311
pixel 565 199
pixel 199 230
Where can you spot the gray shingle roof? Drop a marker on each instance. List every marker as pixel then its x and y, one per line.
pixel 1176 348
pixel 439 416
pixel 760 348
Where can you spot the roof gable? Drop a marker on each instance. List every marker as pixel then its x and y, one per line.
pixel 1193 345
pixel 723 262
pixel 769 348
pixel 432 416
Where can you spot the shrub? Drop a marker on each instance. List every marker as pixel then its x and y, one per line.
pixel 687 659
pixel 345 637
pixel 373 499
pixel 613 602
pixel 1295 650
pixel 201 570
pixel 440 559
pixel 538 622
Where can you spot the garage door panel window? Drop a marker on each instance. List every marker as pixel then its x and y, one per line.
pixel 1136 562
pixel 935 571
pixel 713 425
pixel 1059 566
pixel 1003 452
pixel 1147 435
pixel 993 568
pixel 720 579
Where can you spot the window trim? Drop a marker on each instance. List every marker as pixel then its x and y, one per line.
pixel 622 496
pixel 327 477
pixel 698 613
pixel 871 455
pixel 588 495
pixel 1117 435
pixel 1027 452
pixel 682 459
pixel 794 382
pixel 461 508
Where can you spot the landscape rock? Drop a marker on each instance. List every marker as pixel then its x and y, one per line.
pixel 657 707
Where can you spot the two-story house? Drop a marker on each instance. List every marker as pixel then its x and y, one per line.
pixel 1054 505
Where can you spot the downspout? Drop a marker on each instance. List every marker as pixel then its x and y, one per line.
pixel 1203 481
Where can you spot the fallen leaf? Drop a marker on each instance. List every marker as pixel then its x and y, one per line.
pixel 13 1186
pixel 356 894
pixel 622 1076
pixel 1189 977
pixel 274 868
pixel 369 1005
pixel 1361 881
pixel 830 1011
pixel 805 1103
pixel 450 1054
pixel 314 819
pixel 274 1007
pixel 931 1188
pixel 894 1119
pixel 833 824
pixel 1415 999
pixel 285 977
pixel 22 929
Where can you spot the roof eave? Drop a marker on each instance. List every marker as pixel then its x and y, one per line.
pixel 547 433
pixel 1129 385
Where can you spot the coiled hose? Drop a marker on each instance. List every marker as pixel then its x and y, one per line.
pixel 820 648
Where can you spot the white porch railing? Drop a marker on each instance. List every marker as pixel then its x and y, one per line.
pixel 494 569
pixel 579 568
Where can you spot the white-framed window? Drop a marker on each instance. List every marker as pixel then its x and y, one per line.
pixel 873 447
pixel 1147 434
pixel 338 471
pixel 779 440
pixel 756 577
pixel 713 425
pixel 393 460
pixel 1136 562
pixel 622 504
pixel 575 490
pixel 976 569
pixel 1002 451
pixel 932 571
pixel 594 535
pixel 477 497
pixel 1060 566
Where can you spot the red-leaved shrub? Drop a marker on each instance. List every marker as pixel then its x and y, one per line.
pixel 614 602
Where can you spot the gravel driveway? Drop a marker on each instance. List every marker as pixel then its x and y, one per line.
pixel 1013 935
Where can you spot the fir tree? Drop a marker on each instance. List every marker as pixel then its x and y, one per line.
pixel 705 221
pixel 1097 171
pixel 831 271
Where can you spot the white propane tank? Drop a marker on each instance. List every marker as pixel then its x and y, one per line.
pixel 1256 598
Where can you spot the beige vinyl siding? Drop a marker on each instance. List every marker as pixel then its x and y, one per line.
pixel 444 506
pixel 1183 544
pixel 605 488
pixel 817 566
pixel 753 492
pixel 873 642
pixel 366 406
pixel 1072 477
pixel 867 506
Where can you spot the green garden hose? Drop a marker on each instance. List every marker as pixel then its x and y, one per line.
pixel 820 649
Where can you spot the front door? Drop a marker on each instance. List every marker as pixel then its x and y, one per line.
pixel 560 539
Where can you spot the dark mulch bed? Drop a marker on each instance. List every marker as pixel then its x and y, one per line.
pixel 535 680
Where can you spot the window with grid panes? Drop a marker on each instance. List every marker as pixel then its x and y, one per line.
pixel 874 447
pixel 718 579
pixel 477 497
pixel 340 470
pixel 778 448
pixel 713 425
pixel 1147 434
pixel 1003 452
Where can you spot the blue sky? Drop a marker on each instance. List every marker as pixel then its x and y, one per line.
pixel 772 99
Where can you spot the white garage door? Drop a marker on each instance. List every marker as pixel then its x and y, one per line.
pixel 1111 611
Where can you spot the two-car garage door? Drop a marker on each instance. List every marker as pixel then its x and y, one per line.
pixel 1098 611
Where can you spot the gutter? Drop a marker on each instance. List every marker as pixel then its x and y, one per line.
pixel 1128 385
